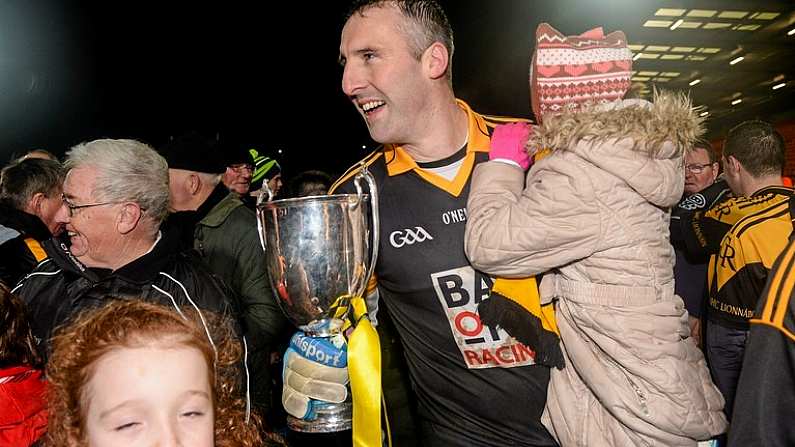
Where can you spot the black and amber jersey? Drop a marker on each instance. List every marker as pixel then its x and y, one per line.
pixel 765 399
pixel 476 384
pixel 757 230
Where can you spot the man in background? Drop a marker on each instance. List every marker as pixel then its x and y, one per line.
pixel 743 237
pixel 40 153
pixel 30 197
pixel 224 232
pixel 690 272
pixel 239 169
pixel 266 171
pixel 115 197
pixel 310 183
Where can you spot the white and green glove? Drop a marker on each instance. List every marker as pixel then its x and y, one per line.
pixel 315 373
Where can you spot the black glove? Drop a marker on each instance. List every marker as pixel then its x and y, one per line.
pixel 523 326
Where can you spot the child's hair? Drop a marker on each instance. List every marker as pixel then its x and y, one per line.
pixel 17 345
pixel 132 324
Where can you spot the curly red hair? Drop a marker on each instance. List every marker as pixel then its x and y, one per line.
pixel 128 324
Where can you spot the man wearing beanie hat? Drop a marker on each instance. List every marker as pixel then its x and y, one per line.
pixel 239 169
pixel 224 232
pixel 594 215
pixel 266 170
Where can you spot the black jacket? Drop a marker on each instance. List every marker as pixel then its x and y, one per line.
pixel 690 270
pixel 61 287
pixel 16 258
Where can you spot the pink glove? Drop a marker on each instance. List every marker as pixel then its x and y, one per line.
pixel 508 143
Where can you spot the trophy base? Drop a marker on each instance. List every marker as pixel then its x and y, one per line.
pixel 330 418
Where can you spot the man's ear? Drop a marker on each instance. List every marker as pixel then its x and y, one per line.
pixel 128 217
pixel 715 170
pixel 34 203
pixel 435 60
pixel 194 183
pixel 733 163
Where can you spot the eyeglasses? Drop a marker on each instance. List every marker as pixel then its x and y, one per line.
pixel 72 207
pixel 696 168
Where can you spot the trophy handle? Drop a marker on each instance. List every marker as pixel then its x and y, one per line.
pixel 260 200
pixel 364 173
pixel 264 190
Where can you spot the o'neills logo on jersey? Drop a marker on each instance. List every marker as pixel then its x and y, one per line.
pixel 454 216
pixel 409 236
pixel 460 291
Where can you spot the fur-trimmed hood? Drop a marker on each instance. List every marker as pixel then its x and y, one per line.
pixel 670 118
pixel 642 143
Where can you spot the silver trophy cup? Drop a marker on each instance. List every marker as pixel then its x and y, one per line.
pixel 318 256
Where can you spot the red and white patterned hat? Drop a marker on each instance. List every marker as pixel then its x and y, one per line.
pixel 568 72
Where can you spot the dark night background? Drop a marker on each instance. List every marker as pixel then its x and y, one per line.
pixel 265 74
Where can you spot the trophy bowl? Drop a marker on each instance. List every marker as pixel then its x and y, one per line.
pixel 317 257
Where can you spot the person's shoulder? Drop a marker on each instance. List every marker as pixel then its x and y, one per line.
pixel 706 199
pixel 376 165
pixel 241 215
pixel 492 121
pixel 43 284
pixel 230 205
pixel 496 120
pixel 746 209
pixel 186 263
pixel 23 222
pixel 240 230
pixel 57 259
pixel 783 190
pixel 188 278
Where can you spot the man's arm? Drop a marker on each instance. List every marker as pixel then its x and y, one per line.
pixel 697 222
pixel 41 292
pixel 765 400
pixel 516 232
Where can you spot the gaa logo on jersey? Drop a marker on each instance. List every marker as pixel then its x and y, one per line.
pixel 459 291
pixel 409 236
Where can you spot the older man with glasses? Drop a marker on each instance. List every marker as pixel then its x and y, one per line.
pixel 115 197
pixel 690 271
pixel 701 168
pixel 239 170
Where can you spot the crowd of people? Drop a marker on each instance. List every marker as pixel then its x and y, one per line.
pixel 119 220
pixel 599 277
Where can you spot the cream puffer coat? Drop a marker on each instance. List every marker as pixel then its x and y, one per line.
pixel 594 215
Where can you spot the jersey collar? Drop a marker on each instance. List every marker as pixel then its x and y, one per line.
pixel 400 162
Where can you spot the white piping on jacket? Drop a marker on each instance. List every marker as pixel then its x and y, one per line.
pixel 207 331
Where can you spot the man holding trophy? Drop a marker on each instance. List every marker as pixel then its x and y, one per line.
pixel 474 385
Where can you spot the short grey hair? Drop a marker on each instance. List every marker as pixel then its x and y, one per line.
pixel 127 171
